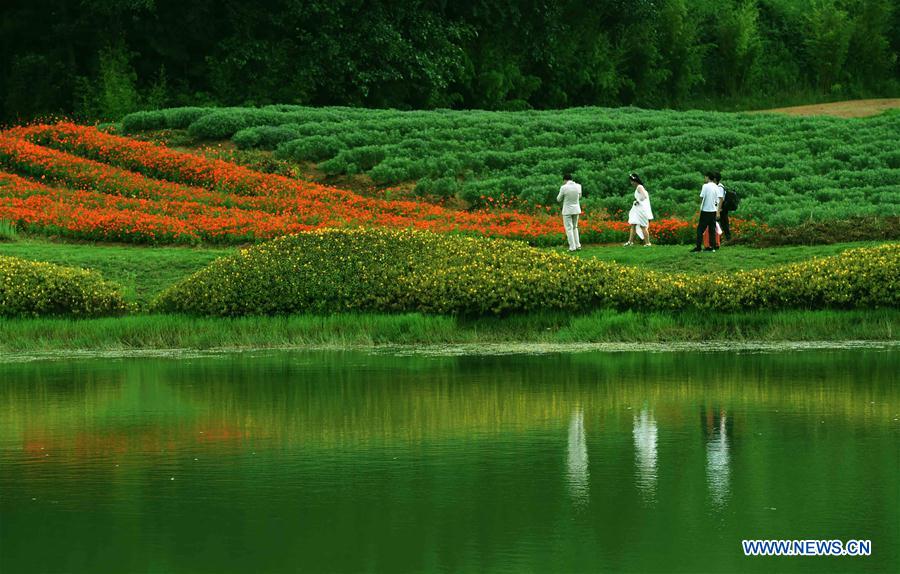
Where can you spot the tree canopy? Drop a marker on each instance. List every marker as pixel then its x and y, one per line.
pixel 103 58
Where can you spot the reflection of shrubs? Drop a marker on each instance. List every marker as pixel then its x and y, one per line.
pixel 404 270
pixel 36 289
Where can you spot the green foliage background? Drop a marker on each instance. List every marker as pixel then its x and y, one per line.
pixel 102 58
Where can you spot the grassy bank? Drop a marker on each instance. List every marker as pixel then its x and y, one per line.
pixel 142 271
pixel 354 330
pixel 145 271
pixel 679 259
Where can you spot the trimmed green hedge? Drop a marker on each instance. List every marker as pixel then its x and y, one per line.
pixel 172 118
pixel 788 170
pixel 38 289
pixel 267 137
pixel 405 270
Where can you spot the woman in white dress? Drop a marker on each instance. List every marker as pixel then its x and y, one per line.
pixel 640 215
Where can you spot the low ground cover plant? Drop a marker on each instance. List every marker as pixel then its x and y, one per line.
pixel 405 270
pixel 37 289
pixel 788 169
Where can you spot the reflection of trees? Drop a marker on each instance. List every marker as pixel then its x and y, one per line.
pixel 335 399
pixel 577 473
pixel 469 436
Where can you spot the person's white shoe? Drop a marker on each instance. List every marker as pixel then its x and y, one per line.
pixel 629 244
pixel 648 245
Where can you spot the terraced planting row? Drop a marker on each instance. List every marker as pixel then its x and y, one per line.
pixel 77 181
pixel 788 169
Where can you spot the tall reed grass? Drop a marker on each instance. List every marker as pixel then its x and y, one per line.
pixel 8 231
pixel 369 330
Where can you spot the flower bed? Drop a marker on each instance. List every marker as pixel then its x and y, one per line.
pixel 186 198
pixel 39 208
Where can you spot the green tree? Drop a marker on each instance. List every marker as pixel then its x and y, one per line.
pixel 680 50
pixel 828 32
pixel 869 48
pixel 738 44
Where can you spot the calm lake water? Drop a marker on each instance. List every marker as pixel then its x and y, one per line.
pixel 357 462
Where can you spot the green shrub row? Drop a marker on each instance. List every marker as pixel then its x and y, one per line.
pixel 37 289
pixel 403 270
pixel 788 169
pixel 815 232
pixel 266 137
pixel 172 118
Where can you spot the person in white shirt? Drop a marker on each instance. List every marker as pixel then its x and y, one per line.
pixel 569 195
pixel 640 215
pixel 709 212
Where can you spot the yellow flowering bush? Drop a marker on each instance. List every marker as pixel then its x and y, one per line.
pixel 856 278
pixel 339 270
pixel 37 289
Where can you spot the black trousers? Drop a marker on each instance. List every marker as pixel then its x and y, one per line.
pixel 726 229
pixel 723 221
pixel 707 221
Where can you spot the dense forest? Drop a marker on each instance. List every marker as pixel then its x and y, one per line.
pixel 104 58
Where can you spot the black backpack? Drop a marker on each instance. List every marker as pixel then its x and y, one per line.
pixel 732 200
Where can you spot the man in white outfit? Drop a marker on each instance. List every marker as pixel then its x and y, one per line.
pixel 569 195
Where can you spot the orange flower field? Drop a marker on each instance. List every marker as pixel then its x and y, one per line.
pixel 77 181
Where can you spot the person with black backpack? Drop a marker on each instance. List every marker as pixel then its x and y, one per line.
pixel 709 211
pixel 730 201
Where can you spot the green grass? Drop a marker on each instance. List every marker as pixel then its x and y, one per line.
pixel 142 271
pixel 365 330
pixel 678 258
pixel 8 231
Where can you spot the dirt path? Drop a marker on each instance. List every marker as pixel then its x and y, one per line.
pixel 849 109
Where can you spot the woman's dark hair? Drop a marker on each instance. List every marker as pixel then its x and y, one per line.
pixel 567 176
pixel 636 178
pixel 711 175
pixel 717 177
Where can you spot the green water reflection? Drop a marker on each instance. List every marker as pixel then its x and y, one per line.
pixel 351 462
